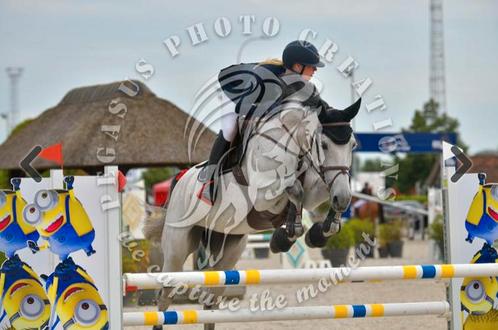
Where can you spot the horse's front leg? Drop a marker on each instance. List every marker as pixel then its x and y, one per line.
pixel 294 223
pixel 332 224
pixel 283 238
pixel 320 232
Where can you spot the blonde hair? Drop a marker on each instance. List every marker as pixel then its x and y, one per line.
pixel 273 61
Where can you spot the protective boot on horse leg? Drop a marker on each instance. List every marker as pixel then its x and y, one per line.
pixel 283 238
pixel 320 232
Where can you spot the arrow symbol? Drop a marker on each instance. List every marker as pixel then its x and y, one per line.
pixel 25 164
pixel 465 165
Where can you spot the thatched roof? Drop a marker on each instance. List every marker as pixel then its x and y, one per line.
pixel 486 162
pixel 151 132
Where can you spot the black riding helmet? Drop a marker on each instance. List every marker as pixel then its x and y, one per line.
pixel 301 52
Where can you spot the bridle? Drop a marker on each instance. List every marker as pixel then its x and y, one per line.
pixel 320 170
pixel 342 169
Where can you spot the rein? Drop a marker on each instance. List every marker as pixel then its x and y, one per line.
pixel 321 170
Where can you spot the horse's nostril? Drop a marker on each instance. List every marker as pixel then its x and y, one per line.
pixel 335 200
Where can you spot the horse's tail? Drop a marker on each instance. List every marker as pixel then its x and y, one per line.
pixel 156 215
pixel 154 223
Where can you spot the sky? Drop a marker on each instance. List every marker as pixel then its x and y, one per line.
pixel 67 44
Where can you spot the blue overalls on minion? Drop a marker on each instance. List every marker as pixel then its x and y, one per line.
pixel 15 233
pixel 68 274
pixel 12 271
pixel 13 238
pixel 482 217
pixel 66 241
pixel 62 221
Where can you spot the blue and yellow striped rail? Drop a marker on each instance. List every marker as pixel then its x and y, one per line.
pixel 286 276
pixel 286 314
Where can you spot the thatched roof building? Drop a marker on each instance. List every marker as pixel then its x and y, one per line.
pixel 151 131
pixel 486 162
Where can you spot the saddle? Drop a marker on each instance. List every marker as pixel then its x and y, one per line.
pixel 233 158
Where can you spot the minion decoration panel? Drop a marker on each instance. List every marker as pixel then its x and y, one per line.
pixel 479 296
pixel 61 220
pixel 23 301
pixel 471 204
pixel 75 254
pixel 76 302
pixel 482 217
pixel 15 233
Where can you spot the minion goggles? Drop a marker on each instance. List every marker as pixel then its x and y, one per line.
pixel 45 200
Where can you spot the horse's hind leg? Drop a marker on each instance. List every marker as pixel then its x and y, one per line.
pixel 177 244
pixel 231 252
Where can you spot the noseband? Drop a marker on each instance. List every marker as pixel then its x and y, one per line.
pixel 341 170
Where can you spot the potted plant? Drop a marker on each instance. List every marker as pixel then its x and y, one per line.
pixel 360 228
pixel 129 266
pixel 338 246
pixel 436 233
pixel 135 260
pixel 394 242
pixel 383 239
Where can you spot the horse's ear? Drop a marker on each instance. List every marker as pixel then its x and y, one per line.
pixel 337 116
pixel 351 111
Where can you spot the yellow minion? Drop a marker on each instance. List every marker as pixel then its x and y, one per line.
pixel 22 298
pixel 76 303
pixel 482 217
pixel 15 233
pixel 478 295
pixel 488 321
pixel 61 220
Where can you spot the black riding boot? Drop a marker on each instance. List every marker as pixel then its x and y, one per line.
pixel 207 174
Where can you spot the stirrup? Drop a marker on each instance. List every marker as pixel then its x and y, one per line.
pixel 204 193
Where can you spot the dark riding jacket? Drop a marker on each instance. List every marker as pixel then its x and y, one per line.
pixel 258 88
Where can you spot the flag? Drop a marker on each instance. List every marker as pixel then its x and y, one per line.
pixel 53 153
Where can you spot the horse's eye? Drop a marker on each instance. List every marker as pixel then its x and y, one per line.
pixel 324 146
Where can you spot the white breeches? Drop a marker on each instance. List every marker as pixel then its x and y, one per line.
pixel 229 124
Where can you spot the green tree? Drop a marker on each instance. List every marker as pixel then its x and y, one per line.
pixel 372 165
pixel 4 179
pixel 155 175
pixel 4 174
pixel 415 168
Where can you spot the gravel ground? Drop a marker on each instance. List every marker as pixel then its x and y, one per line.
pixel 415 252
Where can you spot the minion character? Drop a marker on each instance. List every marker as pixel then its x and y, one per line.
pixel 488 321
pixel 76 303
pixel 15 232
pixel 482 217
pixel 479 295
pixel 61 220
pixel 23 301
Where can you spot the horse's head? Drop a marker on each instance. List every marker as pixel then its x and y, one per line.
pixel 338 142
pixel 282 147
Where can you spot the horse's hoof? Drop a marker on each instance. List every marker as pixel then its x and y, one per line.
pixel 280 242
pixel 314 237
pixel 157 327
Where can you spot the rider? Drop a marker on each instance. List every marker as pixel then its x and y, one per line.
pixel 300 58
